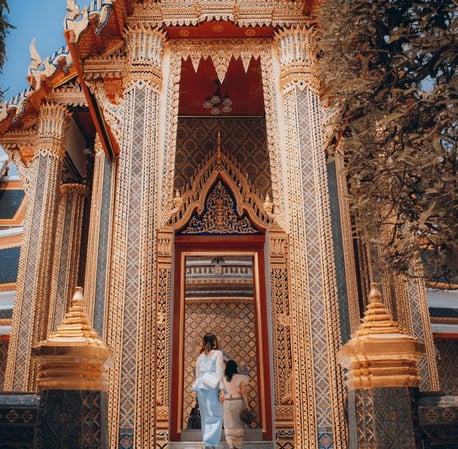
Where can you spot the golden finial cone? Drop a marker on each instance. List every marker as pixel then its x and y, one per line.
pixel 380 354
pixel 73 357
pixel 78 295
pixel 75 322
pixel 374 293
pixel 377 319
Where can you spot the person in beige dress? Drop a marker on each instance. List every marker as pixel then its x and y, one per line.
pixel 234 399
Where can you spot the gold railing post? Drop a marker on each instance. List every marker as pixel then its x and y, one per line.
pixel 72 383
pixel 381 369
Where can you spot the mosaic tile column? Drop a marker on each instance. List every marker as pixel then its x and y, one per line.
pixel 35 263
pixel 66 251
pixel 71 378
pixel 95 279
pixel 131 325
pixel 318 387
pixel 381 371
pixel 413 315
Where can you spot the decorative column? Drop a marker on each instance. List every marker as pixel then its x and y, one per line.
pixel 318 388
pixel 281 336
pixel 413 315
pixel 381 369
pixel 96 276
pixel 66 251
pixel 133 285
pixel 350 269
pixel 71 379
pixel 35 263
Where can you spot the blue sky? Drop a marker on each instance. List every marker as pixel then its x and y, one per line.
pixel 40 19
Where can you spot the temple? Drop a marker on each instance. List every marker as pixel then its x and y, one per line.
pixel 173 180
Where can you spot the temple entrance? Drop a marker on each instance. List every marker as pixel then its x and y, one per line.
pixel 220 288
pixel 225 248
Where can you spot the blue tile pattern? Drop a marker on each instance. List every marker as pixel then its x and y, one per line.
pixel 9 261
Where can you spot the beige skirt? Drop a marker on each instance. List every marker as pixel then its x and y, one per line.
pixel 233 426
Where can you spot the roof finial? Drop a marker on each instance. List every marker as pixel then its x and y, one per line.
pixel 35 57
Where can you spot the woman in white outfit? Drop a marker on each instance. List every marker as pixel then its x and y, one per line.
pixel 234 399
pixel 209 380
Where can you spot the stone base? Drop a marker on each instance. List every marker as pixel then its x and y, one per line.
pixel 18 419
pixel 72 419
pixel 381 418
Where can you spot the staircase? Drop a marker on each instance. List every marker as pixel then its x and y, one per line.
pixel 192 439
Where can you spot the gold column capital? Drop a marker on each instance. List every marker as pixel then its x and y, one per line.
pixel 380 354
pixel 297 52
pixel 73 358
pixel 73 188
pixel 145 45
pixel 53 122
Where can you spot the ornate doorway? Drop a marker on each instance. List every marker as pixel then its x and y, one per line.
pixel 221 288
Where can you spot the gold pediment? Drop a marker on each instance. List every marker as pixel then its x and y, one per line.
pixel 221 200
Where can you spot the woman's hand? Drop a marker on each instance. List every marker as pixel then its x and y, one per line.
pixel 221 395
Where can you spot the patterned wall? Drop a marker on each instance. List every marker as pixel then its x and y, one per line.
pixel 11 202
pixel 9 261
pixel 448 364
pixel 234 325
pixel 339 260
pixel 102 256
pixel 3 354
pixel 244 139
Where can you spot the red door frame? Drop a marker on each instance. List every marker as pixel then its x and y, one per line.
pixel 254 244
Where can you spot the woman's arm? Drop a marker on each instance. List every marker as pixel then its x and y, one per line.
pixel 244 394
pixel 220 369
pixel 197 369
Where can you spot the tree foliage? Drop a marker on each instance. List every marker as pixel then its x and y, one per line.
pixel 389 73
pixel 5 26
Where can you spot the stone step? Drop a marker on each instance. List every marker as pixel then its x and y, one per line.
pixel 222 445
pixel 192 439
pixel 196 435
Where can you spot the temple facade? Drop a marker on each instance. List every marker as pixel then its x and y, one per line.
pixel 173 160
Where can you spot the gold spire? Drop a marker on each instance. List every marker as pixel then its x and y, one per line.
pixel 73 358
pixel 377 319
pixel 75 323
pixel 380 354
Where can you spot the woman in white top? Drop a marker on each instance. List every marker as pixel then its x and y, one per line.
pixel 234 399
pixel 209 380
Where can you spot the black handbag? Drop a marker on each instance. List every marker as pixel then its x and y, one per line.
pixel 247 416
pixel 194 418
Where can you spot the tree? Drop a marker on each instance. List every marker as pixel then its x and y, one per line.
pixel 389 73
pixel 5 26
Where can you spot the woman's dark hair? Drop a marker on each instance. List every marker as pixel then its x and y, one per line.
pixel 230 369
pixel 209 342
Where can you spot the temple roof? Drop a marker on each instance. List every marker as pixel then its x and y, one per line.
pixel 98 30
